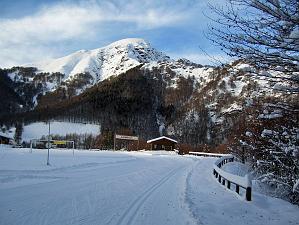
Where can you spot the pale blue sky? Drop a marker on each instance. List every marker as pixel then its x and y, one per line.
pixel 33 30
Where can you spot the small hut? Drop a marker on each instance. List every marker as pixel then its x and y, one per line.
pixel 5 139
pixel 162 143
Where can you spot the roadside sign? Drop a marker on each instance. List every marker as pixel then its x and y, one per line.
pixel 125 137
pixel 56 142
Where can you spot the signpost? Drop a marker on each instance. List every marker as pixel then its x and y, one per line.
pixel 49 145
pixel 125 137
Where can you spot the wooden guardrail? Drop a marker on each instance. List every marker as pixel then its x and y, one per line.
pixel 208 154
pixel 228 178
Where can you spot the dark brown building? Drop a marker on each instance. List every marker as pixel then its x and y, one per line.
pixel 162 143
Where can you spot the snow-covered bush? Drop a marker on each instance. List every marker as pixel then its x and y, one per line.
pixel 270 145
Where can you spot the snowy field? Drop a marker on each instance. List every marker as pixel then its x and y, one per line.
pixel 118 188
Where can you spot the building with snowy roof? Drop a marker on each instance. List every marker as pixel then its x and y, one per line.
pixel 5 139
pixel 162 143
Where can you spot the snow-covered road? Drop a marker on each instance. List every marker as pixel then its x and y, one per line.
pixel 124 188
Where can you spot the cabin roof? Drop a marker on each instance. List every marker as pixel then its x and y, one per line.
pixel 159 138
pixel 5 135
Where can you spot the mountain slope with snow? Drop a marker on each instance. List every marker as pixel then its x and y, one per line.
pixel 102 63
pixel 69 76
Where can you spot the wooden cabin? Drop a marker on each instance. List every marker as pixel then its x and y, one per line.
pixel 5 139
pixel 162 143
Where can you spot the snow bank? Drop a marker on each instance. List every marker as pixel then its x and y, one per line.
pixel 236 168
pixel 214 204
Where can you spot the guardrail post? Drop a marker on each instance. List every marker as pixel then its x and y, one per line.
pixel 223 181
pixel 228 184
pixel 248 188
pixel 219 178
pixel 248 193
pixel 237 188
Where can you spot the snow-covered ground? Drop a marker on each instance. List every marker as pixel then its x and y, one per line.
pixel 124 188
pixel 236 168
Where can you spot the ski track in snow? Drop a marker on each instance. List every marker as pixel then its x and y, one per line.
pixel 131 212
pixel 81 206
pixel 188 190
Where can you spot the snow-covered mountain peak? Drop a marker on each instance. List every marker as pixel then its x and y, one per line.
pixel 130 41
pixel 101 63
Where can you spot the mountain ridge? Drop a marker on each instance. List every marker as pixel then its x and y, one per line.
pixel 101 63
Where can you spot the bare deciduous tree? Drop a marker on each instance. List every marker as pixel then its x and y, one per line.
pixel 262 32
